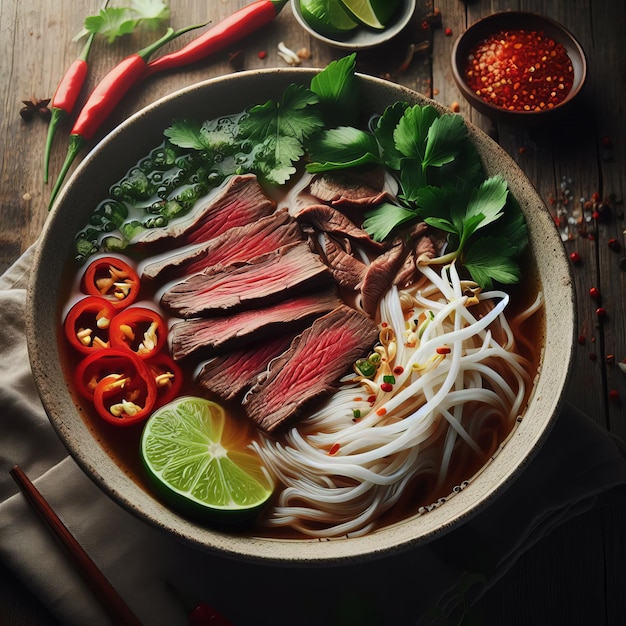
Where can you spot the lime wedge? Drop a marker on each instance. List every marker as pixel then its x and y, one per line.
pixel 198 467
pixel 326 17
pixel 385 9
pixel 362 12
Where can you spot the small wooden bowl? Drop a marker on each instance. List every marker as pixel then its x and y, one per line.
pixel 515 21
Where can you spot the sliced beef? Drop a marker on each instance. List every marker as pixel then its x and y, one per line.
pixel 358 187
pixel 409 273
pixel 205 337
pixel 228 375
pixel 259 282
pixel 241 200
pixel 311 368
pixel 347 270
pixel 237 244
pixel 327 219
pixel 380 276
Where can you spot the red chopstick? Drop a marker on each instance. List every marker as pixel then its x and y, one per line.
pixel 102 588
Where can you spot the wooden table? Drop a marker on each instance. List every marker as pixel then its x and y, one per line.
pixel 575 576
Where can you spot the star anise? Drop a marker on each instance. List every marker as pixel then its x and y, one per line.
pixel 34 107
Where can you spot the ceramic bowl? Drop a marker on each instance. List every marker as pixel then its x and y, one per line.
pixel 360 38
pixel 49 287
pixel 529 22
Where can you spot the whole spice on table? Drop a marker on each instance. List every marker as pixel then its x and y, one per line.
pixel 105 97
pixel 225 33
pixel 520 70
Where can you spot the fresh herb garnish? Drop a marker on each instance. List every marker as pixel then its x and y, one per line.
pixel 113 22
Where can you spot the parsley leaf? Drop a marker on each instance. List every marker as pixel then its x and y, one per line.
pixel 382 220
pixel 337 88
pixel 340 148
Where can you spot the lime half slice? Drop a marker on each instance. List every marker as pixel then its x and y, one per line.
pixel 362 12
pixel 326 17
pixel 185 452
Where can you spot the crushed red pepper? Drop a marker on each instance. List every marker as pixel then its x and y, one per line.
pixel 520 70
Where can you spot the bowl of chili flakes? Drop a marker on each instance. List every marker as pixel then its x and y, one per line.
pixel 518 66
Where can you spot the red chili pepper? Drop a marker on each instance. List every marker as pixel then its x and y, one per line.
pixel 125 399
pixel 105 97
pixel 225 33
pixel 65 96
pixel 97 365
pixel 112 279
pixel 139 329
pixel 87 324
pixel 167 376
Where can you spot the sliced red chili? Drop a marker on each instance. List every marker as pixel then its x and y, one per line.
pixel 87 324
pixel 167 376
pixel 139 329
pixel 102 363
pixel 126 399
pixel 113 279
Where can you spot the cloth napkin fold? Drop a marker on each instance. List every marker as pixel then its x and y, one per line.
pixel 577 466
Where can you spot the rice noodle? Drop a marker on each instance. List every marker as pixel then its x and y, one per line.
pixel 459 387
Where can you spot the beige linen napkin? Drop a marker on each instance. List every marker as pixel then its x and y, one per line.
pixel 576 466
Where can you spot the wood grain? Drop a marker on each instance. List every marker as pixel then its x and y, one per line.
pixel 580 573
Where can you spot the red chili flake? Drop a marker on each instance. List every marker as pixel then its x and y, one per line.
pixel 520 70
pixel 398 369
pixel 596 215
pixel 601 312
pixel 425 25
pixel 521 150
pixel 382 411
pixel 371 399
pixel 386 387
pixel 594 292
pixel 614 394
pixel 595 196
pixel 384 324
pixel 448 32
pixel 334 449
pixel 614 245
pixel 610 359
pixel 443 350
pixel 262 54
pixel 455 107
pixel 358 399
pixel 582 340
pixel 575 257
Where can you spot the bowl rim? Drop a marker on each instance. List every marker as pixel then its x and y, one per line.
pixel 492 23
pixel 490 482
pixel 362 38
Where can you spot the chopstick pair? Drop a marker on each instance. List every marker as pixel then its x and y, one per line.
pixel 108 596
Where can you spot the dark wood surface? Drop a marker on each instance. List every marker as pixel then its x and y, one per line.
pixel 576 575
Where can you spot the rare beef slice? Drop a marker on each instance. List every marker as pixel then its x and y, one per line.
pixel 236 245
pixel 311 367
pixel 261 281
pixel 206 337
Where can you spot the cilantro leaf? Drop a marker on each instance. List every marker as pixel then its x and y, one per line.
pixel 274 158
pixel 491 259
pixel 379 222
pixel 293 116
pixel 488 200
pixel 337 88
pixel 114 22
pixel 186 134
pixel 341 147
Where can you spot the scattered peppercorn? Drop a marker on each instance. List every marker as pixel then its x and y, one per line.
pixel 614 245
pixel 262 54
pixel 386 387
pixel 582 340
pixel 575 257
pixel 594 292
pixel 448 32
pixel 601 312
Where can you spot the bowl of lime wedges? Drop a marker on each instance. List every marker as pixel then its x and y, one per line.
pixel 353 24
